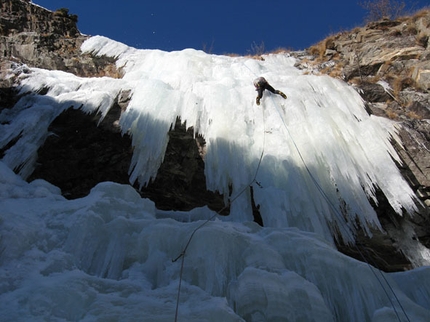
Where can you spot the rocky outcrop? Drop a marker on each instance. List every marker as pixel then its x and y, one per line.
pixel 41 38
pixel 388 61
pixel 22 16
pixel 81 152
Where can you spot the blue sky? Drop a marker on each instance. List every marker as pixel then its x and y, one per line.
pixel 219 27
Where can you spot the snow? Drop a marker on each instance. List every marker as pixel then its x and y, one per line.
pixel 313 160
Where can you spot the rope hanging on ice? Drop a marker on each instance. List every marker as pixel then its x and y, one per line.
pixel 342 221
pixel 336 211
pixel 321 191
pixel 183 253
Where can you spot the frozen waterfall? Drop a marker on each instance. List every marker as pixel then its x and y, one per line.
pixel 316 157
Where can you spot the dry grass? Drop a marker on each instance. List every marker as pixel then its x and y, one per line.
pixel 281 50
pixel 317 50
pixel 256 57
pixel 422 40
pixel 421 13
pixel 379 9
pixel 355 81
pixel 365 79
pixel 335 71
pixel 413 115
pixel 399 84
pixel 411 29
pixel 257 52
pixel 392 115
pixel 232 55
pixel 374 79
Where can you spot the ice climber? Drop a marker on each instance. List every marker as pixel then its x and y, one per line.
pixel 261 84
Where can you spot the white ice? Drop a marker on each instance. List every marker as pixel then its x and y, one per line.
pixel 108 256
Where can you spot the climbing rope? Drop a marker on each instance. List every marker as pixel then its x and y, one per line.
pixel 183 253
pixel 323 194
pixel 342 221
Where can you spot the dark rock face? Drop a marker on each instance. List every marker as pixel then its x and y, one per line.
pixel 374 93
pixel 181 183
pixel 79 154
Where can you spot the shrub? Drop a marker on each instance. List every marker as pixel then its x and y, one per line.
pixel 73 18
pixel 257 50
pixel 392 115
pixel 379 9
pixel 318 49
pixel 399 84
pixel 62 12
pixel 281 50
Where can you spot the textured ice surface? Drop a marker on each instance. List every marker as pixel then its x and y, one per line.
pixel 108 256
pixel 323 154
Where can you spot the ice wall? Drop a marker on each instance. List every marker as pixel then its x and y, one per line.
pixel 321 154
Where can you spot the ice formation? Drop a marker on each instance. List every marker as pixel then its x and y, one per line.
pixel 316 159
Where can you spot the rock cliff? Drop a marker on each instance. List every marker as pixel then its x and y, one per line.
pixel 387 61
pixel 41 38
